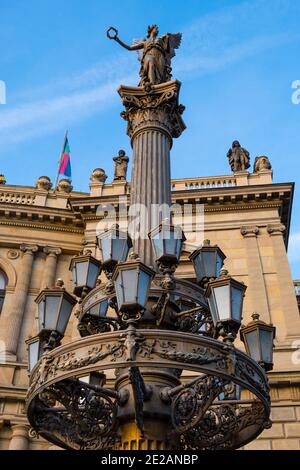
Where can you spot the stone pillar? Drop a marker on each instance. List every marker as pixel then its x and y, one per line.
pixel 50 266
pixel 289 313
pixel 20 437
pixel 257 287
pixel 15 318
pixel 154 119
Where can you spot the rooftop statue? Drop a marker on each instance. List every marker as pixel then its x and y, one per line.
pixel 155 54
pixel 238 157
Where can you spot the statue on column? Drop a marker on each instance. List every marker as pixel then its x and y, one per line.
pixel 238 157
pixel 121 164
pixel 155 54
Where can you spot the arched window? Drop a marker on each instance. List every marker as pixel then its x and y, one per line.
pixel 3 283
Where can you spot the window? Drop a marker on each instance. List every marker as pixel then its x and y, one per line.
pixel 297 289
pixel 3 283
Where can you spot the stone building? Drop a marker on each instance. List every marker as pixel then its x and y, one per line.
pixel 246 214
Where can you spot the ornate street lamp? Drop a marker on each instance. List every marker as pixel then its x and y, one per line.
pixel 208 261
pixel 132 282
pixel 167 240
pixel 114 246
pixel 85 271
pixel 225 298
pixel 258 338
pixel 54 310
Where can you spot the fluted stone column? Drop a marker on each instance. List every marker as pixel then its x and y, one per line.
pixel 50 266
pixel 257 287
pixel 20 437
pixel 287 302
pixel 15 318
pixel 154 119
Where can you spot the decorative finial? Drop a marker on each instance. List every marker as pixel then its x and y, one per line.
pixel 134 256
pixel 255 316
pixel 224 272
pixel 59 283
pixel 98 176
pixel 206 242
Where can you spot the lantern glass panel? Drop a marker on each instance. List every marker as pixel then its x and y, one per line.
pixel 33 354
pixel 170 242
pixel 209 263
pixel 213 308
pixel 65 312
pixel 52 306
pixel 219 265
pixel 120 249
pixel 222 296
pixel 100 309
pixel 252 341
pixel 119 289
pixel 143 287
pixel 158 245
pixel 236 303
pixel 41 314
pixel 266 344
pixel 130 285
pixel 199 267
pixel 92 275
pixel 105 248
pixel 80 269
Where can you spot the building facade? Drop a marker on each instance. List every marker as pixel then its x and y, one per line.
pixel 246 214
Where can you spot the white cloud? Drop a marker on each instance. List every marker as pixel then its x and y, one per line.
pixel 210 43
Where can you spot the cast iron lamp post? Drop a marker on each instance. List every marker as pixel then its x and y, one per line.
pixel 167 380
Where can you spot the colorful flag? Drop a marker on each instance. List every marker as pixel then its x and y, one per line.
pixel 65 162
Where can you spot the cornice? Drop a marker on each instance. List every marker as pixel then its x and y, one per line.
pixel 49 227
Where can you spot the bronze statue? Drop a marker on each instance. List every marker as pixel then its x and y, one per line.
pixel 155 54
pixel 262 163
pixel 121 164
pixel 239 158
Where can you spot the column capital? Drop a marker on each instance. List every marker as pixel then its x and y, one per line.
pixel 249 231
pixel 28 248
pixel 154 107
pixel 276 229
pixel 21 430
pixel 52 250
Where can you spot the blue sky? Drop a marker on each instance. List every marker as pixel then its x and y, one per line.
pixel 237 62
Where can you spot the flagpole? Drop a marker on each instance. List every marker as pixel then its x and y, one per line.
pixel 60 158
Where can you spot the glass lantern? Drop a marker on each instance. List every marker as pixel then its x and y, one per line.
pixel 207 261
pixel 258 338
pixel 85 271
pixel 114 246
pixel 225 298
pixel 132 283
pixel 99 310
pixel 167 243
pixel 54 310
